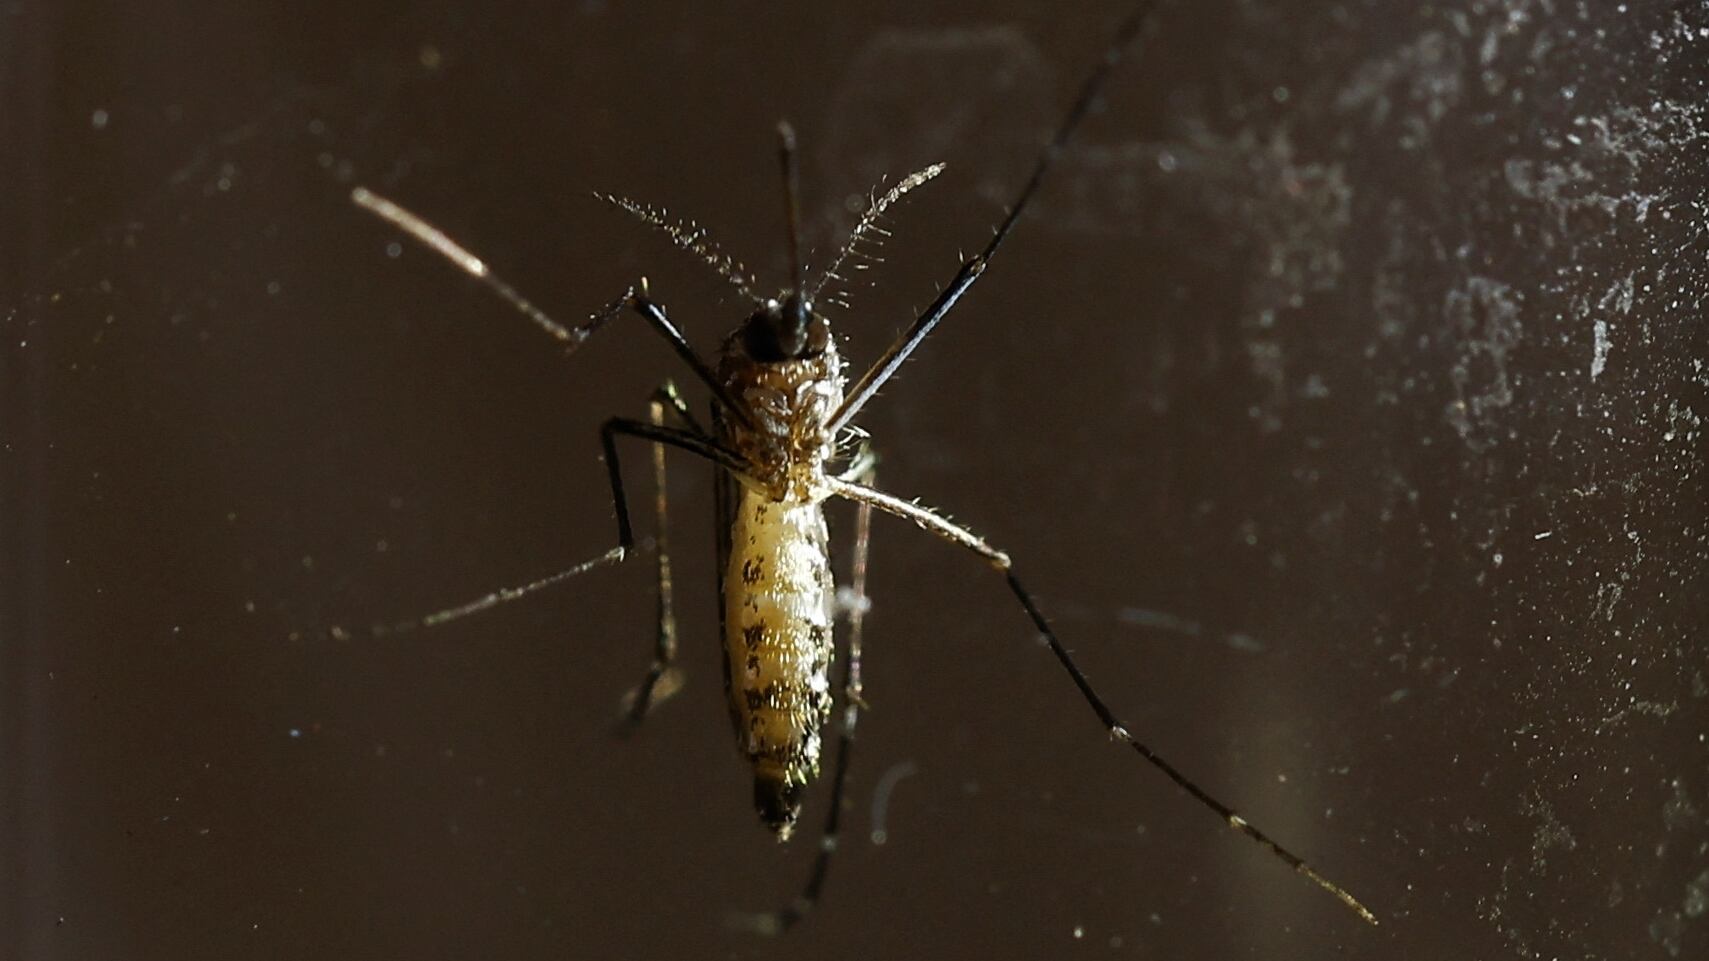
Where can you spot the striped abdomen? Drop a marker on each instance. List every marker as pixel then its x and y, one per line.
pixel 779 604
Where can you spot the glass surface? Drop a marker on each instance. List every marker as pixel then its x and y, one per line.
pixel 1341 397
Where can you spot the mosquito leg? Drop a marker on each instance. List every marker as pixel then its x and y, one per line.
pixel 640 299
pixel 858 603
pixel 855 604
pixel 692 440
pixel 723 516
pixel 723 519
pixel 687 440
pixel 862 465
pixel 637 297
pixel 668 395
pixel 663 678
pixel 488 601
pixel 867 386
pixel 951 531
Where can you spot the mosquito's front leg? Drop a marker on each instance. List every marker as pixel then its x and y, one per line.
pixel 638 298
pixel 999 560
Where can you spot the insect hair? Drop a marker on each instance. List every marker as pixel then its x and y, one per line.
pixel 692 237
pixel 867 235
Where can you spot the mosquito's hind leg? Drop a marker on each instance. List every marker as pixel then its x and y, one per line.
pixel 855 605
pixel 663 677
pixel 925 518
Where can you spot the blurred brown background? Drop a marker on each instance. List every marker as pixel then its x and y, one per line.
pixel 1341 398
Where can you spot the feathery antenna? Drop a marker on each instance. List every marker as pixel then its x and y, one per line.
pixel 868 225
pixel 691 237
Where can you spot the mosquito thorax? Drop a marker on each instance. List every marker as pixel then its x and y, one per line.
pixel 785 329
pixel 782 365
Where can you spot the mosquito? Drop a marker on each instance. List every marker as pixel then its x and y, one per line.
pixel 782 440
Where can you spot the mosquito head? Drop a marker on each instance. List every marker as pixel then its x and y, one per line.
pixel 785 328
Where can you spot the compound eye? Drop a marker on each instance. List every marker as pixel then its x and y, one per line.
pixel 778 332
pixel 761 338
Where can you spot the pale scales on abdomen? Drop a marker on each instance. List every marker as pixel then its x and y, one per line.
pixel 779 599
